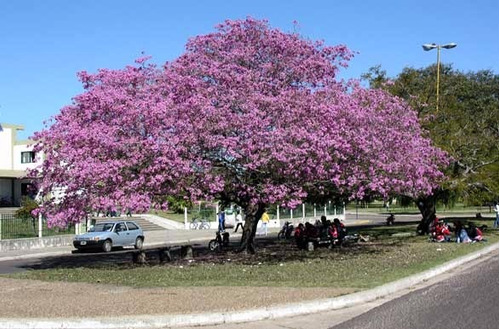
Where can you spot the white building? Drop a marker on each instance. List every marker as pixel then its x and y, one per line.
pixel 15 157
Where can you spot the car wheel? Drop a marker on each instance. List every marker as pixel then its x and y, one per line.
pixel 107 246
pixel 139 242
pixel 213 245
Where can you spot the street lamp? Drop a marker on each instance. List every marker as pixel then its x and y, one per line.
pixel 430 46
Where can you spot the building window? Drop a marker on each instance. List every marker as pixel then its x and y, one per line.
pixel 28 189
pixel 27 157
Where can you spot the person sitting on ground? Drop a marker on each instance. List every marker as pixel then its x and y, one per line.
pixel 323 221
pixel 333 233
pixel 441 232
pixel 461 233
pixel 475 233
pixel 311 232
pixel 433 225
pixel 341 230
pixel 299 236
pixel 323 229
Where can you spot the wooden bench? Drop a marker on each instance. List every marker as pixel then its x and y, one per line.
pixel 165 254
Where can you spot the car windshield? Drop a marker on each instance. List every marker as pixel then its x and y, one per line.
pixel 102 227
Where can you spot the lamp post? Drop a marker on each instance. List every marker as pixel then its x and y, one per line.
pixel 430 46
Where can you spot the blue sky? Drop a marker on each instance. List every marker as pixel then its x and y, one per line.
pixel 43 44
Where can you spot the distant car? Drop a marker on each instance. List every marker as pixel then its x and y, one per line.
pixel 109 234
pixel 229 218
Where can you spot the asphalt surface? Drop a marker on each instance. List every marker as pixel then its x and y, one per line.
pixel 464 301
pixel 466 297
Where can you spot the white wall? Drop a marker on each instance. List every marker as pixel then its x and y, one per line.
pixel 10 163
pixel 6 148
pixel 18 149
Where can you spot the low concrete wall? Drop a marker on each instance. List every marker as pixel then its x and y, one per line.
pixel 36 243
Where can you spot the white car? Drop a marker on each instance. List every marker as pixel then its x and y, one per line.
pixel 109 234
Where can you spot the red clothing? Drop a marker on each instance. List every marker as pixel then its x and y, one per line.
pixel 479 235
pixel 441 230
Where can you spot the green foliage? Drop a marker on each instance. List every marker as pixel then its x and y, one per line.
pixel 177 204
pixel 466 124
pixel 27 206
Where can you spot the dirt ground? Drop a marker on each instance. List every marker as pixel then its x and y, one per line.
pixel 30 298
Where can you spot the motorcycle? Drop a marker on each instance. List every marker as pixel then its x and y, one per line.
pixel 221 241
pixel 286 231
pixel 390 220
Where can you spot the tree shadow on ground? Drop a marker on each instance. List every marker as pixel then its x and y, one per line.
pixel 270 250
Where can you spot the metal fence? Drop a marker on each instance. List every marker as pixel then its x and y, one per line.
pixel 12 227
pixel 306 210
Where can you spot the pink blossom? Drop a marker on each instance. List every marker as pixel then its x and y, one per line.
pixel 248 114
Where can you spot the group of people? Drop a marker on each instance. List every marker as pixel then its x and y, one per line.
pixel 221 216
pixel 323 229
pixel 442 232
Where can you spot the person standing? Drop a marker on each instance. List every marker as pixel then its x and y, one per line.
pixel 222 219
pixel 239 221
pixel 265 221
pixel 497 210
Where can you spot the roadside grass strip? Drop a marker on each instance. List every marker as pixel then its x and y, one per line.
pixel 391 253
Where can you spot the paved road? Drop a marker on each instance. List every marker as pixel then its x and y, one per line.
pixel 467 300
pixel 463 298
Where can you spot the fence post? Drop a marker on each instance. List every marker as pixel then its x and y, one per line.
pixel 303 211
pixel 1 218
pixel 278 215
pixel 186 226
pixel 325 211
pixel 314 210
pixel 40 224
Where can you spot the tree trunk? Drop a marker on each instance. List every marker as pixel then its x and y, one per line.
pixel 427 207
pixel 253 213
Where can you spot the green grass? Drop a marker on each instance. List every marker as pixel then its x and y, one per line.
pixel 16 228
pixel 377 207
pixel 385 258
pixel 180 217
pixel 170 215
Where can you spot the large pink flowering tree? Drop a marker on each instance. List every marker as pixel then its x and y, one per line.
pixel 247 115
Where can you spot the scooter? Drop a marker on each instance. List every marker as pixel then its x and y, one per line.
pixel 286 231
pixel 390 220
pixel 221 241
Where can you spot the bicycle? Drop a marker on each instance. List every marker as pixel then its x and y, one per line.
pixel 197 224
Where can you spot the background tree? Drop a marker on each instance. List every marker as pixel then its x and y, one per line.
pixel 248 115
pixel 466 126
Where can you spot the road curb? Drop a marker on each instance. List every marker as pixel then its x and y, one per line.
pixel 66 252
pixel 214 318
